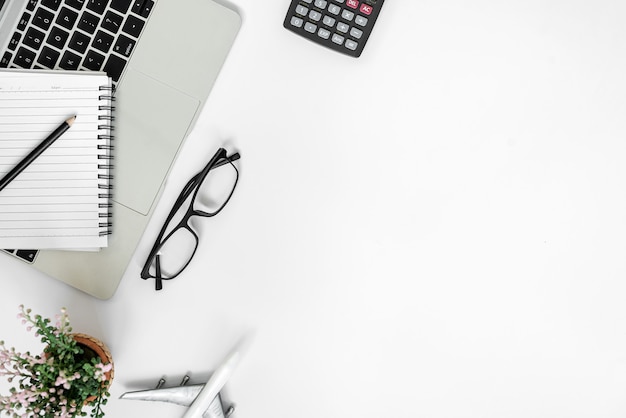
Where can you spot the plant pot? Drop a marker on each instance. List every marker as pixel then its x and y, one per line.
pixel 99 349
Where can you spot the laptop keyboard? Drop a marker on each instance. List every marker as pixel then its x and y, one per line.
pixel 95 35
pixel 24 255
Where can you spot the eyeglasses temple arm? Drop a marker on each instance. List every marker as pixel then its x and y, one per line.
pixel 158 283
pixel 227 160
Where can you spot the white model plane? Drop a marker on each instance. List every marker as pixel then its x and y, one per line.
pixel 202 400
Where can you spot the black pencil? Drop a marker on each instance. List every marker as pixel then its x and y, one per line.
pixel 36 152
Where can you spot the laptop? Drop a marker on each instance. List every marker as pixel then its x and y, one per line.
pixel 164 57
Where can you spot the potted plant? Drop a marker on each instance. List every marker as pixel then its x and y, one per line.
pixel 73 372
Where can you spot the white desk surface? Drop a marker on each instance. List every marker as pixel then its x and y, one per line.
pixel 436 229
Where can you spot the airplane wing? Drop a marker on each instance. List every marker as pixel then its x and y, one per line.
pixel 201 400
pixel 180 395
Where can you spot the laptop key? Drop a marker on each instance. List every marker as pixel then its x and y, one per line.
pixel 79 42
pixel 33 38
pixel 121 5
pixel 43 18
pixel 133 26
pixel 21 25
pixel 48 57
pixel 93 60
pixel 6 59
pixel 58 37
pixel 143 7
pixel 114 67
pixel 102 41
pixel 69 61
pixel 15 40
pixel 52 4
pixel 124 45
pixel 31 5
pixel 88 22
pixel 67 18
pixel 76 4
pixel 112 22
pixel 27 255
pixel 97 6
pixel 24 58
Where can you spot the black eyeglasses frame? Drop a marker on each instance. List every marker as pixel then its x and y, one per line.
pixel 192 187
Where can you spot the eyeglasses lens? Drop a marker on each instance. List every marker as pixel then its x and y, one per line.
pixel 175 253
pixel 216 189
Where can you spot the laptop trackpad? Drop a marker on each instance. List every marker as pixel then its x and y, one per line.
pixel 152 120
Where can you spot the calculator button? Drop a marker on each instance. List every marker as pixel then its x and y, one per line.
pixel 296 21
pixel 360 20
pixel 329 21
pixel 334 9
pixel 321 4
pixel 316 16
pixel 308 1
pixel 342 27
pixel 356 33
pixel 323 33
pixel 338 39
pixel 301 10
pixel 310 27
pixel 352 3
pixel 366 9
pixel 347 14
pixel 350 44
pixel 339 1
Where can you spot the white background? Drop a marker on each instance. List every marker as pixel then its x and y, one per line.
pixel 435 229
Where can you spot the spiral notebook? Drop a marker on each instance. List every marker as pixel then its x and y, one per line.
pixel 61 200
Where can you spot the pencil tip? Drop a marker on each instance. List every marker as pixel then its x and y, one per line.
pixel 70 120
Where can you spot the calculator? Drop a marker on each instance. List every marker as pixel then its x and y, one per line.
pixel 341 25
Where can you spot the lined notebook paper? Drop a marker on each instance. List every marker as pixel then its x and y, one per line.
pixel 62 200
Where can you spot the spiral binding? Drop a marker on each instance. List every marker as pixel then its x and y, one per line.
pixel 106 188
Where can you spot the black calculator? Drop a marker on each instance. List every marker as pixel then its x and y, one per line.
pixel 342 25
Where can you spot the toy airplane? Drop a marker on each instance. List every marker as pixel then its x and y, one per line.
pixel 202 400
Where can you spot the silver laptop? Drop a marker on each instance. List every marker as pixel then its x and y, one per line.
pixel 164 56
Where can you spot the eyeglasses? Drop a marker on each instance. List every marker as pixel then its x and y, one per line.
pixel 205 195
